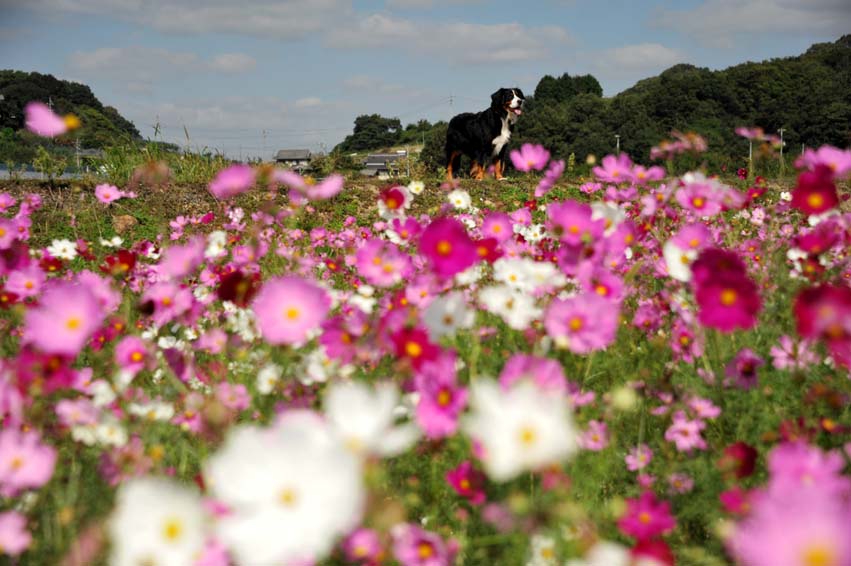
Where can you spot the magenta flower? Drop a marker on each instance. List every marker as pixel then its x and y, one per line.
pixel 692 237
pixel 382 264
pixel 699 198
pixel 289 309
pixel 583 323
pixel 743 368
pixel 14 537
pixel 64 320
pixel 685 433
pixel 232 181
pixel 107 193
pixel 42 121
pixel 728 303
pixel 468 482
pixel 530 157
pixel 615 169
pixel 642 176
pixel 646 517
pixel 638 458
pixel 546 373
pixel 413 546
pixel 25 463
pixel 26 282
pixel 441 400
pixel 448 247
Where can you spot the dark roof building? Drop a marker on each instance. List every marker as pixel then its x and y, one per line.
pixel 380 164
pixel 294 158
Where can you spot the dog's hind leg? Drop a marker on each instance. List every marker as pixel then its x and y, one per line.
pixel 453 163
pixel 477 171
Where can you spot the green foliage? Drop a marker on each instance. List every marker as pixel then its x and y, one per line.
pixel 565 87
pixel 372 131
pixel 433 155
pixel 50 166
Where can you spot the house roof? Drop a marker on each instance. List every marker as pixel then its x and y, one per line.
pixel 292 154
pixel 381 159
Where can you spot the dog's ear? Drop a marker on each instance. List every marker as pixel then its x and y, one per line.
pixel 519 93
pixel 496 98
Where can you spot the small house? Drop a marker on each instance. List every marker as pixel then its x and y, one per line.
pixel 382 165
pixel 296 159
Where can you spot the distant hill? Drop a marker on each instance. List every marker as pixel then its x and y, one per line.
pixel 808 95
pixel 102 125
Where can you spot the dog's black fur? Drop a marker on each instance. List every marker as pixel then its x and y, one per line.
pixel 477 135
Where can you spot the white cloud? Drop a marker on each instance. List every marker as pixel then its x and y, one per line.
pixel 636 59
pixel 421 4
pixel 718 23
pixel 309 102
pixel 455 42
pixel 137 69
pixel 233 63
pixel 291 19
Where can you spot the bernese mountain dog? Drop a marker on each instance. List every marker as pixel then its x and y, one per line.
pixel 483 136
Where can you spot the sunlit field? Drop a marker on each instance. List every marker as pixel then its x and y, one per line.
pixel 626 368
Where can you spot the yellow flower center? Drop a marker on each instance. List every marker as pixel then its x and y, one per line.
pixel 444 247
pixel 73 323
pixel 728 297
pixel 136 356
pixel 287 497
pixel 425 550
pixel 815 200
pixel 575 323
pixel 602 290
pixel 71 122
pixel 698 202
pixel 644 517
pixel 172 529
pixel 292 313
pixel 443 398
pixel 413 349
pixel 818 555
pixel 17 463
pixel 528 436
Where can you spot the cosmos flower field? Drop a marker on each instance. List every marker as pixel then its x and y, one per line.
pixel 634 370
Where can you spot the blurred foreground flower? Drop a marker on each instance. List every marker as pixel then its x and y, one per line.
pixel 41 120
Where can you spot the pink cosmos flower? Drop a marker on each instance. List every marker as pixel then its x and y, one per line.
pixel 441 400
pixel 75 412
pixel 363 545
pixel 646 517
pixel 792 355
pixel 413 546
pixel 305 188
pixel 42 121
pixel 167 300
pixel 232 181
pixel 546 373
pixel 642 175
pixel 131 354
pixel 685 433
pixel 571 222
pixel 680 483
pixel 468 482
pixel 289 309
pixel 26 282
pixel 8 233
pixel 66 317
pixel 736 500
pixel 497 225
pixel 797 467
pixel 382 264
pixel 25 463
pixel 583 323
pixel 233 396
pixel 448 247
pixel 837 160
pixel 615 169
pixel 699 198
pixel 815 191
pixel 743 368
pixel 179 261
pixel 638 458
pixel 596 438
pixel 14 537
pixel 107 193
pixel 692 237
pixel 530 157
pixel 413 345
pixel 551 177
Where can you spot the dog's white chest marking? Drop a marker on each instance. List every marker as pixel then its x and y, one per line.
pixel 503 137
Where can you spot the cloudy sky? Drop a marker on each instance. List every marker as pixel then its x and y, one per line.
pixel 253 76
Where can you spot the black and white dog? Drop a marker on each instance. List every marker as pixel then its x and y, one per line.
pixel 483 136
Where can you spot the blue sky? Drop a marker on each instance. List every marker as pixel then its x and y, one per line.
pixel 253 76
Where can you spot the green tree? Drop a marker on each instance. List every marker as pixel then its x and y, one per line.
pixel 372 131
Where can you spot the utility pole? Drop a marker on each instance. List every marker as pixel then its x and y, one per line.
pixel 782 163
pixel 618 144
pixel 77 151
pixel 50 102
pixel 264 144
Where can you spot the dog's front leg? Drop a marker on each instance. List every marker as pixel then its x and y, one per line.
pixel 477 172
pixel 498 167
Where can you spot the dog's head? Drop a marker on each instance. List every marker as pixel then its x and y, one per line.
pixel 508 99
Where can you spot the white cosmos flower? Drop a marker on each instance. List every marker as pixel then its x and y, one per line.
pixel 604 553
pixel 292 489
pixel 513 272
pixel 115 242
pixel 152 410
pixel 447 313
pixel 268 377
pixel 611 214
pixel 216 242
pixel 416 187
pixel 543 551
pixel 364 418
pixel 678 261
pixel 516 308
pixel 63 249
pixel 156 521
pixel 521 429
pixel 470 275
pixel 460 199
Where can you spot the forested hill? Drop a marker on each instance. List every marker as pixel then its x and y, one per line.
pixel 808 95
pixel 102 125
